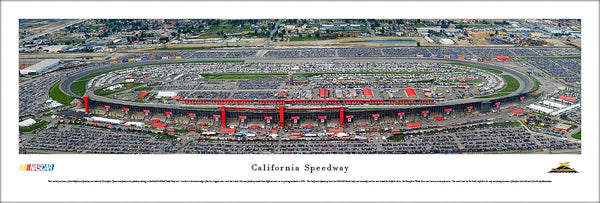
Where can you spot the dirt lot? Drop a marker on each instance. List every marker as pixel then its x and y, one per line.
pixel 37 26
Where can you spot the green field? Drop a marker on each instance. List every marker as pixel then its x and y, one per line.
pixel 149 88
pixel 39 124
pixel 59 95
pixel 396 137
pixel 228 28
pixel 512 85
pixel 129 85
pixel 507 124
pixel 165 137
pixel 310 38
pixel 78 86
pixel 553 57
pixel 577 135
pixel 479 67
pixel 184 48
pixel 536 85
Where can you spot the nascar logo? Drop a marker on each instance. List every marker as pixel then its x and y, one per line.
pixel 36 167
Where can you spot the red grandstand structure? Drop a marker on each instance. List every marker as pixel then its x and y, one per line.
pixel 86 99
pixel 324 93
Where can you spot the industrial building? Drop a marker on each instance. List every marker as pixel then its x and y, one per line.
pixel 40 67
pixel 55 48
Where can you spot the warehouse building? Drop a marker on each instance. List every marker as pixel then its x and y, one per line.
pixel 55 48
pixel 40 67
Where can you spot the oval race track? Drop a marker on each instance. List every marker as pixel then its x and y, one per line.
pixel 526 84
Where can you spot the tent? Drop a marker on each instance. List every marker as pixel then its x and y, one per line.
pixel 517 111
pixel 413 125
pixel 411 92
pixel 159 125
pixel 367 92
pixel 567 98
pixel 27 122
pixel 503 58
pixel 227 130
pixel 336 130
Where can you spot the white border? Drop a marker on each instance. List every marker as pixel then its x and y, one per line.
pixel 23 186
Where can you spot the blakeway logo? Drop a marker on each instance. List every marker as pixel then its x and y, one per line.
pixel 563 168
pixel 36 167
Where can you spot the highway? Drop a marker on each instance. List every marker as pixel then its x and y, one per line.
pixel 525 82
pixel 268 42
pixel 369 27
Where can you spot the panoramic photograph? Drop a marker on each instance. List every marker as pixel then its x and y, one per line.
pixel 299 86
